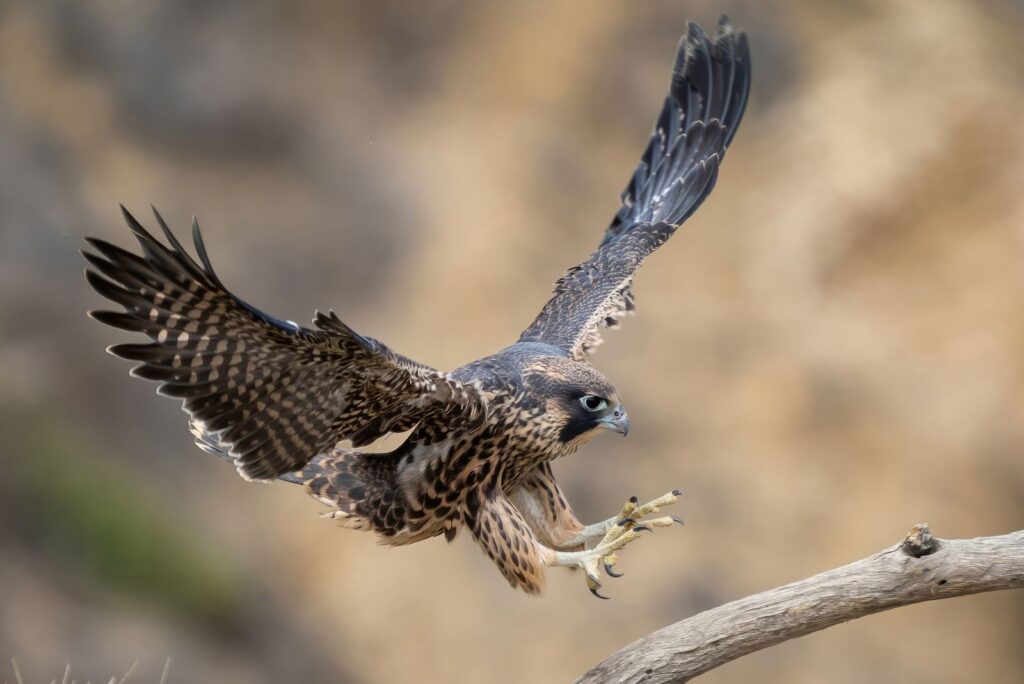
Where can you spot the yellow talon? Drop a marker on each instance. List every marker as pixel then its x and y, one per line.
pixel 620 531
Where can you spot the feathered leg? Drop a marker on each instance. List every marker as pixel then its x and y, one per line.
pixel 546 510
pixel 506 537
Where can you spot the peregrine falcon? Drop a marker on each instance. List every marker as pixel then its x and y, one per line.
pixel 277 400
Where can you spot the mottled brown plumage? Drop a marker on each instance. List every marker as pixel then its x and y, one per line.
pixel 276 399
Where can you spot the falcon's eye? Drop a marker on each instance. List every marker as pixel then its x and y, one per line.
pixel 592 402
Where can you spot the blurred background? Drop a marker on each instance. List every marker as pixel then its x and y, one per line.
pixel 830 351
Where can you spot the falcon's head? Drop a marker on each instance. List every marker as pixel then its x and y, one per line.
pixel 580 402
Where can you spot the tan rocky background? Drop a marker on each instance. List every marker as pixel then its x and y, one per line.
pixel 830 351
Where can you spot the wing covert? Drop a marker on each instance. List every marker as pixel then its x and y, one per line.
pixel 271 393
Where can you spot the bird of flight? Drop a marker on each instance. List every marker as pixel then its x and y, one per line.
pixel 276 399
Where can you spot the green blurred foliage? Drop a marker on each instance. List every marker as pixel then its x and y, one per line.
pixel 115 531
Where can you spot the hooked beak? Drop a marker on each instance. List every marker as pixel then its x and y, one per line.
pixel 618 421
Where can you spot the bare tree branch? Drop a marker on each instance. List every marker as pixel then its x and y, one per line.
pixel 920 568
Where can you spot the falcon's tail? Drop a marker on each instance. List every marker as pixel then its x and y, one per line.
pixel 359 487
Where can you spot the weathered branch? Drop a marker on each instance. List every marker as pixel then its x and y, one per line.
pixel 920 568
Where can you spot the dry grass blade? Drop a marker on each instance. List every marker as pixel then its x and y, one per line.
pixel 167 670
pixel 126 674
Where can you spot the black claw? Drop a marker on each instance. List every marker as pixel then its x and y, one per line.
pixel 676 518
pixel 611 572
pixel 624 522
pixel 633 500
pixel 596 593
pixel 642 528
pixel 677 492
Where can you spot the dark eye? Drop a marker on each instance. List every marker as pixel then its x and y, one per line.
pixel 592 402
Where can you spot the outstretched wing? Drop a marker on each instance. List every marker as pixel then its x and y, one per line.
pixel 270 393
pixel 702 111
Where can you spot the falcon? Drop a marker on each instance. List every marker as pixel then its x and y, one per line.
pixel 285 402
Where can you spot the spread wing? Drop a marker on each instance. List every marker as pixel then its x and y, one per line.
pixel 269 392
pixel 677 172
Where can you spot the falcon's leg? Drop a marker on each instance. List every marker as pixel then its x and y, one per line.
pixel 590 560
pixel 615 533
pixel 504 534
pixel 507 539
pixel 544 507
pixel 541 502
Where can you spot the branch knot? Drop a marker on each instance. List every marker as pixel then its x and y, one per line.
pixel 920 542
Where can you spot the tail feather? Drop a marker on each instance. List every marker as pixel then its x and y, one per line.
pixel 360 488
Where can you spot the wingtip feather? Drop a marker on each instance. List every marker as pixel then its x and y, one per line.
pixel 197 240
